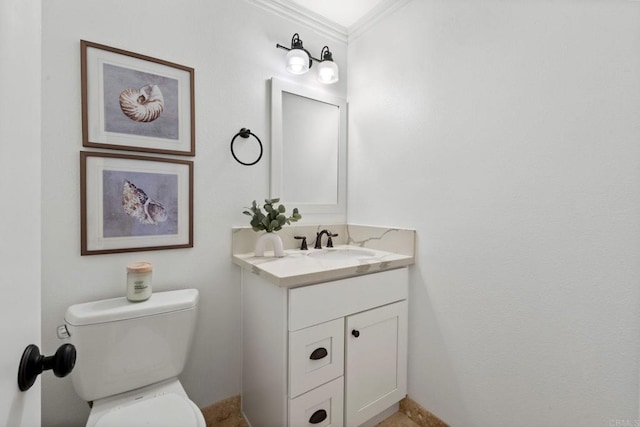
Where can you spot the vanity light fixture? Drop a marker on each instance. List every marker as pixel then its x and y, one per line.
pixel 299 61
pixel 327 69
pixel 298 58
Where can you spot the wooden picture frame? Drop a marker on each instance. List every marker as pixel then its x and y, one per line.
pixel 135 102
pixel 131 203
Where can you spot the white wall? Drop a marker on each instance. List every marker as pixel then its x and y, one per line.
pixel 231 45
pixel 20 188
pixel 507 134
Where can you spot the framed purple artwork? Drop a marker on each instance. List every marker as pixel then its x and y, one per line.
pixel 134 203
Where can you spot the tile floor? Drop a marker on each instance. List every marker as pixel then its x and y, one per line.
pixel 226 413
pixel 396 420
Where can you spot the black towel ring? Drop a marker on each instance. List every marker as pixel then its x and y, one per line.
pixel 244 132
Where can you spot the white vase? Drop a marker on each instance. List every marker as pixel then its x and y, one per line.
pixel 276 242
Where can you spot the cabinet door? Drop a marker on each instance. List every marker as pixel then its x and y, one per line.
pixel 376 361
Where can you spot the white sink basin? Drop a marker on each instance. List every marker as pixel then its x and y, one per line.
pixel 347 253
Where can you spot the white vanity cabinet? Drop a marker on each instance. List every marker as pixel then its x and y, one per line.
pixel 330 354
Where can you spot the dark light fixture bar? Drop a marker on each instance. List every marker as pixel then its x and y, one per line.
pixel 299 61
pixel 296 43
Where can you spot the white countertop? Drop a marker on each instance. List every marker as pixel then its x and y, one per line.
pixel 297 268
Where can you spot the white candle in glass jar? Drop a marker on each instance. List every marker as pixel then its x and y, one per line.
pixel 139 281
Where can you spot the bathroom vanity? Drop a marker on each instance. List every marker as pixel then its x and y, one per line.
pixel 324 336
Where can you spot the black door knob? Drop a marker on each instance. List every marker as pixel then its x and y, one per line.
pixel 355 333
pixel 33 363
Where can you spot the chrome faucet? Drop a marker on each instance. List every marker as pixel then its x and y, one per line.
pixel 318 244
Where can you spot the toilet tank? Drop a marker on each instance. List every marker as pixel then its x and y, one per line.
pixel 123 345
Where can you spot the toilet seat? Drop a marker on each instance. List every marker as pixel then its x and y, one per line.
pixel 159 406
pixel 169 410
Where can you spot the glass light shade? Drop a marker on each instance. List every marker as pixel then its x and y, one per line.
pixel 328 72
pixel 297 61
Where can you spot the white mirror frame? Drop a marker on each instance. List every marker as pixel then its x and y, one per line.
pixel 278 87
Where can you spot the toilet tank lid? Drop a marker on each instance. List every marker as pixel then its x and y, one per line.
pixel 114 309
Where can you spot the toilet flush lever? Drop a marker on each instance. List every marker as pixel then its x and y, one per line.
pixel 63 332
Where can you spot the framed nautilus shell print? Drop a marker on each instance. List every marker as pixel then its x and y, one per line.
pixel 135 102
pixel 134 203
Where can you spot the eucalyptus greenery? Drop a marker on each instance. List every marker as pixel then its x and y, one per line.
pixel 274 218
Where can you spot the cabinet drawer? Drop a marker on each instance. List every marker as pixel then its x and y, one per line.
pixel 316 356
pixel 310 305
pixel 321 407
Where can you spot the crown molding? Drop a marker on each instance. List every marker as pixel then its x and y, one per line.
pixel 295 12
pixel 382 9
pixel 289 9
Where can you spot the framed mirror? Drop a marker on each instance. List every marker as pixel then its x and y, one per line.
pixel 308 148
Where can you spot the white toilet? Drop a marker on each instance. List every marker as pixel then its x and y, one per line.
pixel 129 356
